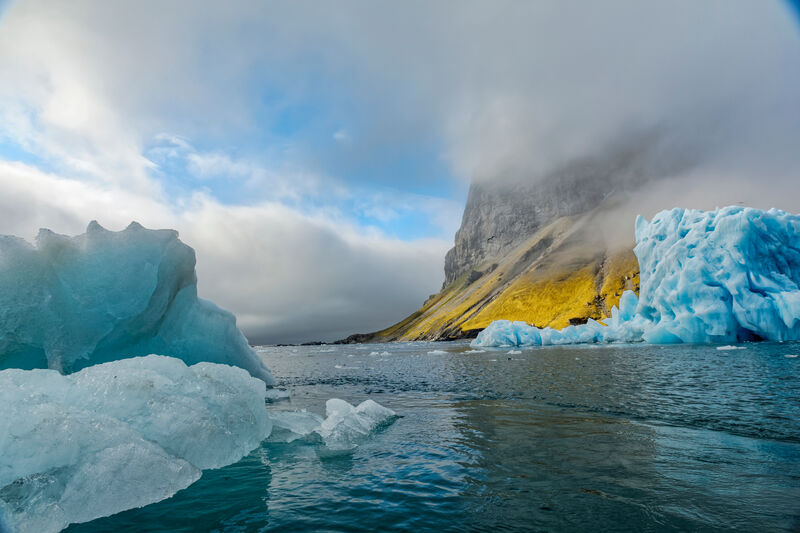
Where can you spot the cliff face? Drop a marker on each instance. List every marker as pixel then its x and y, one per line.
pixel 530 249
pixel 501 215
pixel 497 220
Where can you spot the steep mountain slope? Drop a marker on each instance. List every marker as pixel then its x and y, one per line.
pixel 533 250
pixel 554 278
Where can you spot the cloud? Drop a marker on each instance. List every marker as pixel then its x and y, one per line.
pixel 288 144
pixel 342 136
pixel 288 276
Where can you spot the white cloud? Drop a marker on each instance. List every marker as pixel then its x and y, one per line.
pixel 287 275
pixel 342 136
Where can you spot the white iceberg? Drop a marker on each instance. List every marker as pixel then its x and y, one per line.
pixel 722 276
pixel 118 435
pixel 345 426
pixel 72 302
pixel 289 426
pixel 342 431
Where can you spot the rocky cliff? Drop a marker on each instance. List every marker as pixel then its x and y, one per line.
pixel 530 249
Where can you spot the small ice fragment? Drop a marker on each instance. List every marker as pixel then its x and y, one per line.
pixel 289 426
pixel 730 347
pixel 346 426
pixel 514 352
pixel 790 355
pixel 276 395
pixel 437 352
pixel 475 351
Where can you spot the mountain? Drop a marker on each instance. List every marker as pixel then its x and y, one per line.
pixel 534 249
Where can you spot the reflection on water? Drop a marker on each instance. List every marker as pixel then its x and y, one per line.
pixel 633 438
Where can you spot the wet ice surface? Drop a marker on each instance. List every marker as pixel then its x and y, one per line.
pixel 624 438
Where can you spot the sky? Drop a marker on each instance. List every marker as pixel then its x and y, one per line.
pixel 317 155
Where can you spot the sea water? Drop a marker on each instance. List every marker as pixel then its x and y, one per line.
pixel 579 438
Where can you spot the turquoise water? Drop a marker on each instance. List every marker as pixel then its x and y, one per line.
pixel 629 438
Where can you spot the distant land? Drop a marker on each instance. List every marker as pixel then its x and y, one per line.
pixel 533 250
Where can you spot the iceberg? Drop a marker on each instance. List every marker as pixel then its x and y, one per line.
pixel 342 431
pixel 345 426
pixel 71 302
pixel 723 276
pixel 118 435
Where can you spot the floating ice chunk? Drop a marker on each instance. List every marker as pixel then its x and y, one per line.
pixel 118 435
pixel 730 347
pixel 729 275
pixel 437 352
pixel 289 426
pixel 514 352
pixel 790 355
pixel 72 302
pixel 342 431
pixel 345 426
pixel 277 395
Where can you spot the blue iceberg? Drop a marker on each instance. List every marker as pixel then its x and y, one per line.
pixel 91 424
pixel 71 302
pixel 723 276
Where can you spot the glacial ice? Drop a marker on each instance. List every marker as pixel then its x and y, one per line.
pixel 118 435
pixel 71 302
pixel 721 276
pixel 345 426
pixel 343 430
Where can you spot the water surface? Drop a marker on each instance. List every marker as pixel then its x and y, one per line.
pixel 623 438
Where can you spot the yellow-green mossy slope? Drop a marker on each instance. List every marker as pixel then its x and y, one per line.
pixel 562 275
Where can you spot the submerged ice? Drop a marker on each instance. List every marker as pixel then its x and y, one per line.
pixel 720 276
pixel 71 302
pixel 118 435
